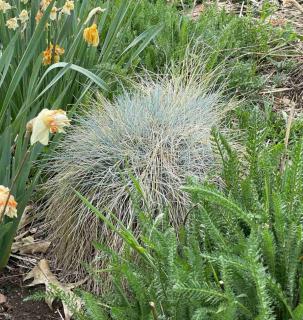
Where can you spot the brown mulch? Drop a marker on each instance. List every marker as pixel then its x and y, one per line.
pixel 15 308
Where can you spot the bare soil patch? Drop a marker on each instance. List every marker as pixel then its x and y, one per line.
pixel 14 291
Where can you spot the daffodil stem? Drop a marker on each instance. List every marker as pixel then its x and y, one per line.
pixel 55 40
pixel 48 38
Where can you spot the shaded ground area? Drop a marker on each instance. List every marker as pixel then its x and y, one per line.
pixel 14 291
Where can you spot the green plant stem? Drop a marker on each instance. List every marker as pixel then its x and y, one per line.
pixel 153 309
pixel 55 40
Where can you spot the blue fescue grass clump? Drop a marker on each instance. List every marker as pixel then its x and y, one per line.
pixel 158 135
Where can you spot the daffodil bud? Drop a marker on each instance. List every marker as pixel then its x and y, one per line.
pixel 92 13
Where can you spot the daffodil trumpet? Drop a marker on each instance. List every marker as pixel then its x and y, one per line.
pixel 8 203
pixel 91 35
pixel 52 54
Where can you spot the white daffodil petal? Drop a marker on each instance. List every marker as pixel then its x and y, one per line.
pixel 40 132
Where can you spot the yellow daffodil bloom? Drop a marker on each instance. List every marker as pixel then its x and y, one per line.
pixel 47 121
pixel 12 23
pixel 48 53
pixel 4 6
pixel 8 202
pixel 47 57
pixel 68 7
pixel 23 16
pixel 91 35
pixel 24 1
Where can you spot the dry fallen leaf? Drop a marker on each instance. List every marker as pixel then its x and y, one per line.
pixel 2 298
pixel 26 217
pixel 41 274
pixel 36 247
pixel 28 245
pixel 287 102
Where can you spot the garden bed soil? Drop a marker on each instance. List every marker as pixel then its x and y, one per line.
pixel 15 308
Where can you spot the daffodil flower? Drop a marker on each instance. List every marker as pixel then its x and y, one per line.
pixel 49 52
pixel 47 121
pixel 4 6
pixel 53 13
pixel 91 35
pixel 7 203
pixel 23 16
pixel 68 7
pixel 12 23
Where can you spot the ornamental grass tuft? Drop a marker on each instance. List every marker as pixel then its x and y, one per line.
pixel 158 135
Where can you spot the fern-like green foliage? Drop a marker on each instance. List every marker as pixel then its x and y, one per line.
pixel 238 253
pixel 240 42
